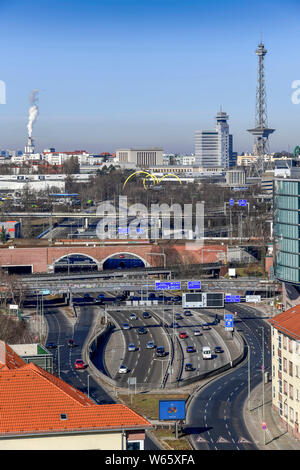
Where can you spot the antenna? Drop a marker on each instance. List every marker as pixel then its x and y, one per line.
pixel 261 131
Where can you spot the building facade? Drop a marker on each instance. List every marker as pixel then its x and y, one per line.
pixel 285 336
pixel 214 148
pixel 141 158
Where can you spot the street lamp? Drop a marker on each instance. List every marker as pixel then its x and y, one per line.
pixel 58 358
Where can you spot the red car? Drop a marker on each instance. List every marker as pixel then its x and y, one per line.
pixel 183 335
pixel 79 364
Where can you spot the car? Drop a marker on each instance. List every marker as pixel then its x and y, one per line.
pixel 174 325
pixel 141 330
pixel 146 315
pixel 126 326
pixel 50 345
pixel 150 345
pixel 183 335
pixel 178 316
pixel 131 347
pixel 188 313
pixel 79 364
pixel 190 349
pixel 132 316
pixel 197 332
pixel 188 367
pixel 160 351
pixel 71 343
pixel 205 326
pixel 123 369
pixel 218 349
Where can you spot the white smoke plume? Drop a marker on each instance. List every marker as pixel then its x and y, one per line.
pixel 33 111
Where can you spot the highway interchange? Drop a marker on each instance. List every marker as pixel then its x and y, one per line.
pixel 214 415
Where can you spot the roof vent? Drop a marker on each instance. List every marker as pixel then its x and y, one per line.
pixel 63 416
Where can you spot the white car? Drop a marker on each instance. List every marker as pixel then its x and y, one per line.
pixel 150 345
pixel 123 369
pixel 126 326
pixel 197 332
pixel 132 316
pixel 131 347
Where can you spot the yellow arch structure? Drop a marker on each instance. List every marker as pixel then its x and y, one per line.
pixel 154 178
pixel 145 173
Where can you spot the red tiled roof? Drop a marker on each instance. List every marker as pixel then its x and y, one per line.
pixel 288 322
pixel 9 359
pixel 33 400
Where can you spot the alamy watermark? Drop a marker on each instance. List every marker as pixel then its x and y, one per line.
pixel 296 93
pixel 2 92
pixel 160 221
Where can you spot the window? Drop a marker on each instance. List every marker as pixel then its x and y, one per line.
pixel 297 394
pixel 284 365
pixel 296 371
pixel 285 410
pixel 280 407
pixel 291 368
pixel 290 345
pixel 284 342
pixel 291 391
pixel 280 385
pixel 285 387
pixel 279 340
pixel 273 349
pixel 280 364
pixel 291 414
pixel 273 371
pixel 134 445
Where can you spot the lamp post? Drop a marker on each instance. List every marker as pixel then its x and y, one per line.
pixel 263 382
pixel 58 358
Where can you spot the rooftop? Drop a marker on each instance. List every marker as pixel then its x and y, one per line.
pixel 288 322
pixel 33 401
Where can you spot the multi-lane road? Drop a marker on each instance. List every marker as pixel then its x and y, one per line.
pixel 215 413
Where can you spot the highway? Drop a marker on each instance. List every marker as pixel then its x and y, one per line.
pixel 141 363
pixel 215 415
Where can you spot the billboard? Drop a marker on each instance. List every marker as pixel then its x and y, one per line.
pixel 203 300
pixel 171 410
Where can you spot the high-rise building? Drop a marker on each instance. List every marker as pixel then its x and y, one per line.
pixel 214 148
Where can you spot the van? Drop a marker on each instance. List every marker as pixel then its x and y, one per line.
pixel 206 352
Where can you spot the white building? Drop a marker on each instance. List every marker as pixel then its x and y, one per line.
pixel 214 148
pixel 141 158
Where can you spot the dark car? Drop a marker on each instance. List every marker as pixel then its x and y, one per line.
pixel 50 345
pixel 141 330
pixel 160 351
pixel 188 313
pixel 174 325
pixel 146 315
pixel 188 367
pixel 190 349
pixel 218 349
pixel 178 316
pixel 71 343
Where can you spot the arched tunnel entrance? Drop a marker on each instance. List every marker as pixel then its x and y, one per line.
pixel 123 261
pixel 74 262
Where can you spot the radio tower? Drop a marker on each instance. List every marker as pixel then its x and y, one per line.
pixel 261 130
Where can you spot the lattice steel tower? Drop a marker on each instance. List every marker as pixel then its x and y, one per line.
pixel 261 130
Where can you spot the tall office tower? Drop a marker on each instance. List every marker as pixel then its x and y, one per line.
pixel 214 148
pixel 261 131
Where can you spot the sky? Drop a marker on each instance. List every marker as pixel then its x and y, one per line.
pixel 127 73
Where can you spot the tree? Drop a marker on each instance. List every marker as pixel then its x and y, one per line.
pixel 71 166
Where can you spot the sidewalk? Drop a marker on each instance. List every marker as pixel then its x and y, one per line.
pixel 276 437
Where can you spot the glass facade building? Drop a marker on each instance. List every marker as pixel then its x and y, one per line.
pixel 287 229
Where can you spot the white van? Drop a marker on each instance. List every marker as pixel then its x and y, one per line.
pixel 206 352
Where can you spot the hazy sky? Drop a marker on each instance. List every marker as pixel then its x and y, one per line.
pixel 127 73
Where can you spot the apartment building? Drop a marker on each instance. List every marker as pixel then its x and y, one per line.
pixel 285 336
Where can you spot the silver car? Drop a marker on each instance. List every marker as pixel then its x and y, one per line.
pixel 131 347
pixel 150 345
